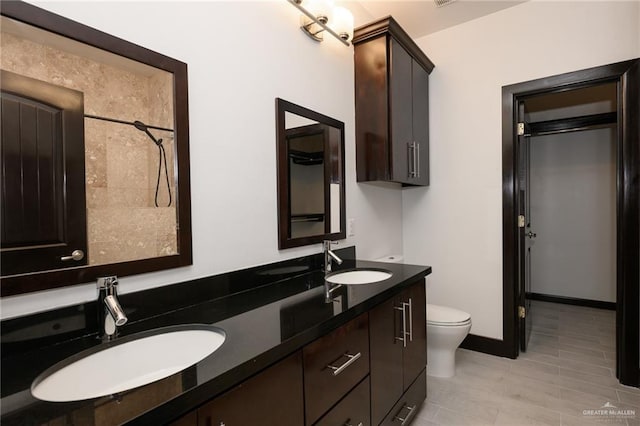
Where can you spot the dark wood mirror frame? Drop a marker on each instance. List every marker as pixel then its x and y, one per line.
pixel 284 228
pixel 37 281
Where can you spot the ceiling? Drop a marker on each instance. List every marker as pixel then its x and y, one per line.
pixel 422 17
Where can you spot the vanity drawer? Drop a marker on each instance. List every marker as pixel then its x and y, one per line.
pixel 405 410
pixel 352 410
pixel 333 365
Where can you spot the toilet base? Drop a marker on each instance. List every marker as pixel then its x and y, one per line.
pixel 441 363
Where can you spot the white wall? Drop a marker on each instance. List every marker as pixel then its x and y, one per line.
pixel 240 56
pixel 573 206
pixel 455 224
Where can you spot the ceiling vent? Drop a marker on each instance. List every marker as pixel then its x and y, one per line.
pixel 441 3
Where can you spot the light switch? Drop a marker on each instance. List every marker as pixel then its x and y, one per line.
pixel 351 227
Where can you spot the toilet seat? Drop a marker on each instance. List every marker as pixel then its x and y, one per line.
pixel 444 316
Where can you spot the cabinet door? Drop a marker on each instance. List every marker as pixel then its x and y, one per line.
pixel 273 397
pixel 352 410
pixel 386 358
pixel 415 354
pixel 420 92
pixel 400 114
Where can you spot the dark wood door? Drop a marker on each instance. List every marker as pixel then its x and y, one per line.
pixel 352 410
pixel 273 397
pixel 415 354
pixel 43 182
pixel 385 323
pixel 401 114
pixel 420 99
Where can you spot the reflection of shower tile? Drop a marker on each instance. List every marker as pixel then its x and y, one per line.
pixel 127 197
pixel 14 59
pixel 121 251
pixel 165 219
pixel 97 198
pixel 161 100
pixel 167 244
pixel 95 146
pixel 125 165
pixel 125 233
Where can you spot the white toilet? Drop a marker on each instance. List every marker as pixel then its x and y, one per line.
pixel 446 329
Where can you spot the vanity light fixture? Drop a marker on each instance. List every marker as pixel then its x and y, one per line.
pixel 319 16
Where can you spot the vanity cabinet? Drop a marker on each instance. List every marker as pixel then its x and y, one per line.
pixel 391 104
pixel 273 397
pixel 398 334
pixel 333 365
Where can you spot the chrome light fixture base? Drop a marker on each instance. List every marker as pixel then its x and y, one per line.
pixel 312 27
pixel 315 27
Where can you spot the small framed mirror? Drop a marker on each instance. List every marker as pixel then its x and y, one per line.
pixel 311 187
pixel 95 154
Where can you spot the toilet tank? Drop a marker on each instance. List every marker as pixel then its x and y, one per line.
pixel 392 258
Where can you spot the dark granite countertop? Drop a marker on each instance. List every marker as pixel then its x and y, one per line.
pixel 263 325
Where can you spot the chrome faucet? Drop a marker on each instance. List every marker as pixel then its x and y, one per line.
pixel 329 257
pixel 110 313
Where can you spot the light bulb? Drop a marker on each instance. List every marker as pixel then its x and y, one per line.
pixel 342 23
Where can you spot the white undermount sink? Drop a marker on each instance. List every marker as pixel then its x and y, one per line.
pixel 358 276
pixel 127 363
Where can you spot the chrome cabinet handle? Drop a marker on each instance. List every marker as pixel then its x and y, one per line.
pixel 403 339
pixel 410 319
pixel 347 423
pixel 417 159
pixel 412 411
pixel 410 159
pixel 75 255
pixel 351 360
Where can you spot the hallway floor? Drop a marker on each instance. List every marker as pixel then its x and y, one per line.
pixel 568 368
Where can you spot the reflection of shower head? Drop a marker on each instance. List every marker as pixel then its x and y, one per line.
pixel 140 125
pixel 143 128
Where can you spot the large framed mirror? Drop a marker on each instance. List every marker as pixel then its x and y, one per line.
pixel 95 154
pixel 311 187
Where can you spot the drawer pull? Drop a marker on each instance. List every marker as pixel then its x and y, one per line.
pixel 351 360
pixel 412 411
pixel 348 423
pixel 410 318
pixel 404 333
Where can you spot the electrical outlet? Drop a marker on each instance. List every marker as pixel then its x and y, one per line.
pixel 351 227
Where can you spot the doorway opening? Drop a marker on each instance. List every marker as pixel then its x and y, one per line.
pixel 589 251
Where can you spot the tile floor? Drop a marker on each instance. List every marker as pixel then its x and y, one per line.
pixel 568 368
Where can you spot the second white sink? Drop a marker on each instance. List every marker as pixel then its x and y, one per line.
pixel 358 276
pixel 134 361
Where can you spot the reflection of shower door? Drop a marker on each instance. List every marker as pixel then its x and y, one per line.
pixel 526 236
pixel 43 183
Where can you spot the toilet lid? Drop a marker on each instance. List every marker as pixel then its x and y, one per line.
pixel 437 314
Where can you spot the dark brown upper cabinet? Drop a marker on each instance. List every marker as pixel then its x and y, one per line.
pixel 311 187
pixel 79 169
pixel 392 105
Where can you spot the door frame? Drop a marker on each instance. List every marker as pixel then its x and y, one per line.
pixel 627 76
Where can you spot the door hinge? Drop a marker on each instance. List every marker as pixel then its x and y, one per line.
pixel 520 129
pixel 521 312
pixel 521 221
